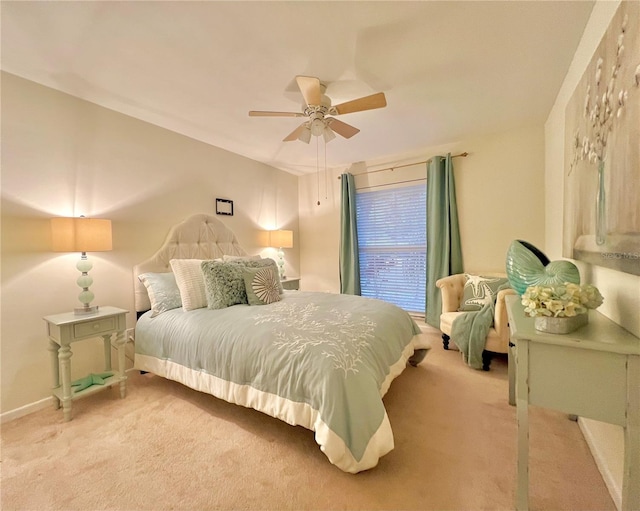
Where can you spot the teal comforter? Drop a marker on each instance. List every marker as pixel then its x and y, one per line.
pixel 319 360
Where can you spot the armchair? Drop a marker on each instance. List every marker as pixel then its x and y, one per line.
pixel 452 290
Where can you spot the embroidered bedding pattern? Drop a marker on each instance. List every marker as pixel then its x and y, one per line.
pixel 298 330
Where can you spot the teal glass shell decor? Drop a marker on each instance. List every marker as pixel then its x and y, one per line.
pixel 528 266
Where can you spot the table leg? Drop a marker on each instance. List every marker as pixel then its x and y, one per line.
pixel 631 470
pixel 511 372
pixel 120 344
pixel 522 403
pixel 64 356
pixel 55 370
pixel 106 339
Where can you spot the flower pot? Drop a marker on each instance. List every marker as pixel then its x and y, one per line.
pixel 553 325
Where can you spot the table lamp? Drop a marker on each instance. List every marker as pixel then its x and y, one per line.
pixel 281 239
pixel 82 235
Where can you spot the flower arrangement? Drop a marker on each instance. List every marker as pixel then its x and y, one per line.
pixel 560 301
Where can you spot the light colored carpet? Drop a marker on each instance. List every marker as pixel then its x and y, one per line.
pixel 165 447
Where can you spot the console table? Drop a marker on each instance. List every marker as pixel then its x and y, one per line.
pixel 593 372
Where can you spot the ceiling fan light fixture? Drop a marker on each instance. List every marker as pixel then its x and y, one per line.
pixel 305 135
pixel 317 127
pixel 328 134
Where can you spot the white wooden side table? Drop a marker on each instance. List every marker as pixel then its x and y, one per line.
pixel 291 283
pixel 66 328
pixel 593 372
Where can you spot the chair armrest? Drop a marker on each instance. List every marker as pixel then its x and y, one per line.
pixel 451 289
pixel 500 320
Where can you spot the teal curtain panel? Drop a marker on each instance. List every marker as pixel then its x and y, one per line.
pixel 444 250
pixel 349 259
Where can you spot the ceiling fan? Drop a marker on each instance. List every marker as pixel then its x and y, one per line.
pixel 318 107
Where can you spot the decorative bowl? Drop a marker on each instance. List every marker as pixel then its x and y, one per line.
pixel 527 266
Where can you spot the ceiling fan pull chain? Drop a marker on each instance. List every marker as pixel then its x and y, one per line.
pixel 326 184
pixel 318 168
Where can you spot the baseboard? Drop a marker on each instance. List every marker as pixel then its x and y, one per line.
pixel 33 407
pixel 603 462
pixel 26 410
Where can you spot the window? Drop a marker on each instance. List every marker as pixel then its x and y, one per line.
pixel 392 239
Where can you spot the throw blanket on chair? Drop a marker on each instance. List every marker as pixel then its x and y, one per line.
pixel 469 331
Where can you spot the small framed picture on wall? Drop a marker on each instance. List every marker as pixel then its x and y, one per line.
pixel 224 207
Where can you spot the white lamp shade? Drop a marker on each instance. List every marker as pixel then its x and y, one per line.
pixel 281 239
pixel 305 135
pixel 81 234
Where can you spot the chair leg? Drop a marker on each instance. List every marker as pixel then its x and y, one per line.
pixel 445 341
pixel 486 359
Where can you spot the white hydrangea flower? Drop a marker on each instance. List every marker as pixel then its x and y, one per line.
pixel 565 300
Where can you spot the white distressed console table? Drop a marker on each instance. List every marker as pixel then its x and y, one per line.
pixel 593 372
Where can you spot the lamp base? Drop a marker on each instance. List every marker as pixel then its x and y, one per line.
pixel 281 264
pixel 87 309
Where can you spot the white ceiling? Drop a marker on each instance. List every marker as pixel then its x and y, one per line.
pixel 449 70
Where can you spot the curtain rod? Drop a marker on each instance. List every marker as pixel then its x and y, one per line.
pixel 462 155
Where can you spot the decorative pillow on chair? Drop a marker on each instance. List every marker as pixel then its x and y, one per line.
pixel 479 290
pixel 224 284
pixel 261 285
pixel 190 282
pixel 163 291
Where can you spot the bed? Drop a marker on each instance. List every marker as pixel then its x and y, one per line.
pixel 323 361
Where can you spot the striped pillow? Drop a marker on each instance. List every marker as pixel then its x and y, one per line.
pixel 190 283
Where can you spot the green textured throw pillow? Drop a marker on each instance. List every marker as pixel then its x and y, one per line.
pixel 224 284
pixel 479 290
pixel 261 285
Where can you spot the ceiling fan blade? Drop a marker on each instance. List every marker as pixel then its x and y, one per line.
pixel 310 88
pixel 260 113
pixel 342 128
pixel 358 105
pixel 295 133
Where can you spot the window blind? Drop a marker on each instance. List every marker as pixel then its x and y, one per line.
pixel 392 225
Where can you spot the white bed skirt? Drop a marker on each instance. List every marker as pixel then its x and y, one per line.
pixel 294 413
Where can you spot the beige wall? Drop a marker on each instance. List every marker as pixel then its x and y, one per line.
pixel 500 192
pixel 62 156
pixel 621 290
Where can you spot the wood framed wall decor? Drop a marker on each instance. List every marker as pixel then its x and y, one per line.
pixel 601 222
pixel 224 207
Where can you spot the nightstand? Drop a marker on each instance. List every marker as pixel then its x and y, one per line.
pixel 63 329
pixel 291 283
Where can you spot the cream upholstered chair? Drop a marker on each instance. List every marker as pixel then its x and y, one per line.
pixel 452 290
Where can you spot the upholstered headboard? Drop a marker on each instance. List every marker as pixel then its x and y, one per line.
pixel 197 237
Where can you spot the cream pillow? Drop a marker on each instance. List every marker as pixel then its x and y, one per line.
pixel 228 257
pixel 190 283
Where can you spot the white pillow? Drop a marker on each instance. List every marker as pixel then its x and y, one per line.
pixel 228 257
pixel 190 283
pixel 163 291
